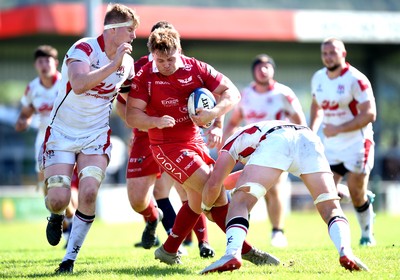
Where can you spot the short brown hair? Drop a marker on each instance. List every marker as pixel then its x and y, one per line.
pixel 162 24
pixel 117 13
pixel 165 40
pixel 45 51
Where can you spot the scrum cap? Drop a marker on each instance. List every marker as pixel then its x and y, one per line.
pixel 262 58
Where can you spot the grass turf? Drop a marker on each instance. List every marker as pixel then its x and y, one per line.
pixel 108 252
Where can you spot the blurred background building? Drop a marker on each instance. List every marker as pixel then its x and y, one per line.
pixel 226 34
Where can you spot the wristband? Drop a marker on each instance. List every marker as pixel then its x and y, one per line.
pixel 205 208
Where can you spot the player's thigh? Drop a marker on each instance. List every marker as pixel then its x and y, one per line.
pixel 357 184
pixel 318 183
pixel 162 186
pixel 140 188
pixel 58 169
pixel 85 160
pixel 279 188
pixel 181 191
pixel 198 179
pixel 266 176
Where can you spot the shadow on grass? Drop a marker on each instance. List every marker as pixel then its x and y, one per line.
pixel 149 271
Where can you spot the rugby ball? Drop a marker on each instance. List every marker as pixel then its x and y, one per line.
pixel 201 98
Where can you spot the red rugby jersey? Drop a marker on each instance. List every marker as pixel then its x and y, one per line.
pixel 168 95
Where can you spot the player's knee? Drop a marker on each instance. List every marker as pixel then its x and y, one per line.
pixel 92 171
pixel 55 205
pixel 255 189
pixel 326 197
pixel 58 181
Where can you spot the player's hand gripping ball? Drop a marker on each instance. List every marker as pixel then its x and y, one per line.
pixel 201 98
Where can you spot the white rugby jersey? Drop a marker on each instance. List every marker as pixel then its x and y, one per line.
pixel 41 99
pixel 242 144
pixel 339 98
pixel 278 103
pixel 81 115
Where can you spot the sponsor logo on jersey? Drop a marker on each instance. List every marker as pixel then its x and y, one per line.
pixel 45 107
pixel 319 88
pixel 168 166
pixel 255 115
pixel 96 66
pixel 186 81
pixel 138 74
pixel 188 67
pixel 97 96
pixel 189 165
pixel 161 83
pixel 170 102
pixel 49 153
pixel 121 71
pixel 102 88
pixel 134 86
pixel 179 159
pixel 183 119
pixel 99 147
pixel 76 249
pixel 183 109
pixel 133 170
pixel 340 89
pixel 329 105
pixel 137 160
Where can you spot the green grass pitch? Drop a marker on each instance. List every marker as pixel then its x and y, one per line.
pixel 108 252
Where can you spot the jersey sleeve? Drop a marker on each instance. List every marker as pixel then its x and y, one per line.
pixel 120 99
pixel 139 88
pixel 26 99
pixel 81 51
pixel 362 89
pixel 141 62
pixel 314 84
pixel 292 104
pixel 211 77
pixel 243 97
pixel 126 85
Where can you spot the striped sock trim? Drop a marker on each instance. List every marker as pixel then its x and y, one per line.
pixel 84 218
pixel 238 222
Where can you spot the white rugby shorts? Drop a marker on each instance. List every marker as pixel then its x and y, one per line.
pixel 357 158
pixel 38 147
pixel 296 151
pixel 60 148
